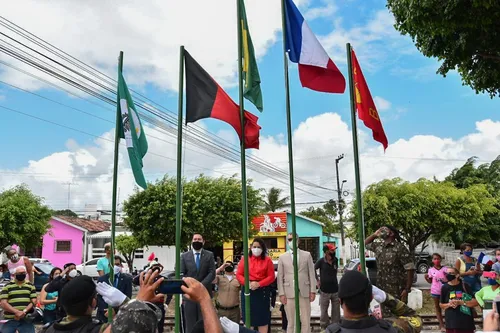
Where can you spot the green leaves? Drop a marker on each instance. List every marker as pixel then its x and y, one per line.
pixel 127 245
pixel 274 201
pixel 326 214
pixel 23 218
pixel 426 209
pixel 211 206
pixel 462 34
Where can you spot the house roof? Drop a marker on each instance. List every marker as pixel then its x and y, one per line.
pixel 107 234
pixel 86 224
pixel 308 219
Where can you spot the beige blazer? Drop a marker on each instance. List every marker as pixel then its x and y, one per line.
pixel 307 278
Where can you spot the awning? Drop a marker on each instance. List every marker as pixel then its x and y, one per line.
pixel 107 234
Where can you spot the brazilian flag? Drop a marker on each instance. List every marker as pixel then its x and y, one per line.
pixel 251 89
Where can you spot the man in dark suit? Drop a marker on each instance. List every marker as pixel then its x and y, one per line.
pixel 122 282
pixel 200 265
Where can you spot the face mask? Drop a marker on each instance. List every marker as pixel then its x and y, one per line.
pixel 20 277
pixel 15 257
pixel 492 282
pixel 55 276
pixel 437 262
pixel 467 253
pixel 117 270
pixel 256 251
pixel 197 245
pixel 450 277
pixel 229 269
pixel 290 244
pixel 73 273
pixel 384 234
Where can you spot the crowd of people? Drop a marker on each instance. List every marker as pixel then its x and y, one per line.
pixel 69 300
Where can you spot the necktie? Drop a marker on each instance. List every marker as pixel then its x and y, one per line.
pixel 116 281
pixel 197 261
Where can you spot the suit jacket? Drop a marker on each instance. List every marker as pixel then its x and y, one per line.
pixel 206 273
pixel 307 276
pixel 124 285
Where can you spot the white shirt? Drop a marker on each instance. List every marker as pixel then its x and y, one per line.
pixel 194 252
pixel 229 277
pixel 298 257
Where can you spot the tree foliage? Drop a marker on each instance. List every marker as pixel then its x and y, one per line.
pixel 463 34
pixel 210 206
pixel 487 174
pixel 426 209
pixel 64 212
pixel 326 214
pixel 23 218
pixel 273 200
pixel 127 245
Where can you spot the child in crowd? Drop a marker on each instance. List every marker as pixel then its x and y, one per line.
pixel 436 276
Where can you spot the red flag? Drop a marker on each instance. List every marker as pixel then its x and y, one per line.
pixel 367 110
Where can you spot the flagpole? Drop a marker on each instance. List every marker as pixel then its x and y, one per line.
pixel 115 181
pixel 244 213
pixel 354 129
pixel 290 166
pixel 178 201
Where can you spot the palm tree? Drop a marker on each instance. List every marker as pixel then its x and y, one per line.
pixel 273 202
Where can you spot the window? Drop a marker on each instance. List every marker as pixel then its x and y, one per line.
pixel 139 253
pixel 63 246
pixel 271 243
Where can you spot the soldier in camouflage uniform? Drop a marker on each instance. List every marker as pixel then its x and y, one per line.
pixel 395 266
pixel 356 294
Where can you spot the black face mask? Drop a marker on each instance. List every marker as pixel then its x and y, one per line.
pixel 229 269
pixel 450 277
pixel 197 245
pixel 20 277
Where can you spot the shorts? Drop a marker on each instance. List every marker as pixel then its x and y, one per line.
pixel 435 296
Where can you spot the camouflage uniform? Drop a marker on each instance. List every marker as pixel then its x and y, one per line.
pixel 393 262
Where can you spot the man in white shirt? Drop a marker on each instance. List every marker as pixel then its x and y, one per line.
pixel 307 286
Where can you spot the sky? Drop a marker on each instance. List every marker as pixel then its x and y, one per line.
pixel 61 142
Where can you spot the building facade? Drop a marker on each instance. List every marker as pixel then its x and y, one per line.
pixel 273 228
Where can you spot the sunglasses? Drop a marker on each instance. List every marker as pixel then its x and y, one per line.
pixel 290 239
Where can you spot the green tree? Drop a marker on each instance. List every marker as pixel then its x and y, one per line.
pixel 462 34
pixel 273 200
pixel 211 206
pixel 23 218
pixel 64 212
pixel 326 214
pixel 427 209
pixel 127 245
pixel 487 174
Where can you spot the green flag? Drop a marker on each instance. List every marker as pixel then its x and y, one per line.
pixel 137 145
pixel 251 90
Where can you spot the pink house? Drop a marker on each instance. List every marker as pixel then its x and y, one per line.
pixel 66 241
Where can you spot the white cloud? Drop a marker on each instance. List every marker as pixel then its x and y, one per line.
pixel 149 34
pixel 317 142
pixel 327 10
pixel 382 104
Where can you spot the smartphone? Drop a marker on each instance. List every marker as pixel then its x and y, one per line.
pixel 497 303
pixel 171 287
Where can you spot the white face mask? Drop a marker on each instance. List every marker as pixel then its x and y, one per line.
pixel 256 251
pixel 73 273
pixel 290 244
pixel 117 270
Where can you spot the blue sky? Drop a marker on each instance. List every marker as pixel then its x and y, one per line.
pixel 415 100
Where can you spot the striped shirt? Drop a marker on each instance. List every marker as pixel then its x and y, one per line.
pixel 18 296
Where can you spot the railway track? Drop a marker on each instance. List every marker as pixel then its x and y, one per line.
pixel 430 323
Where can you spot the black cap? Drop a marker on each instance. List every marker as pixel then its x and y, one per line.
pixel 77 290
pixel 353 283
pixel 136 316
pixel 68 264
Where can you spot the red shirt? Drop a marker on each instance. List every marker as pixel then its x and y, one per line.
pixel 261 270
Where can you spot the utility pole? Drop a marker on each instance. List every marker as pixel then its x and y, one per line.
pixel 69 191
pixel 340 207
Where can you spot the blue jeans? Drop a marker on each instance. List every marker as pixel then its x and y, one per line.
pixel 22 326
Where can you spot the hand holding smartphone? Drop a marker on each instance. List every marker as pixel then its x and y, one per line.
pixel 171 287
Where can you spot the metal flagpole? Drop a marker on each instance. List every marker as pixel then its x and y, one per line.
pixel 290 165
pixel 359 199
pixel 244 213
pixel 178 201
pixel 115 180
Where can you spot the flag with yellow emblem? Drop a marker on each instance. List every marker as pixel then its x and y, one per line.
pixel 251 89
pixel 367 110
pixel 131 130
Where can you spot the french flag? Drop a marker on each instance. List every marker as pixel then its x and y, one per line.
pixel 316 70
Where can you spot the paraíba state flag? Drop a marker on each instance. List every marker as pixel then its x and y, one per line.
pixel 251 89
pixel 316 70
pixel 206 99
pixel 131 130
pixel 367 111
